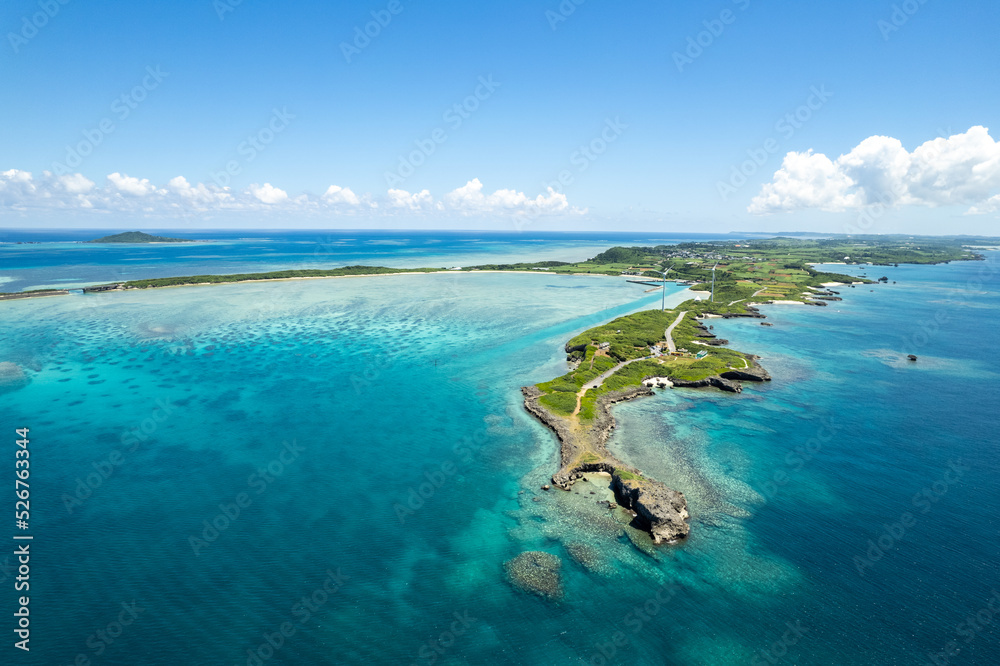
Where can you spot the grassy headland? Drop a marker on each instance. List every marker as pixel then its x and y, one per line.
pixel 610 363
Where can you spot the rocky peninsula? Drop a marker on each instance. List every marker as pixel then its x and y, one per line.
pixel 630 357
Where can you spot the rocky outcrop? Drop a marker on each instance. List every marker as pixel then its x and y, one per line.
pixel 751 312
pixel 703 332
pixel 659 509
pixel 718 382
pixel 662 511
pixel 755 373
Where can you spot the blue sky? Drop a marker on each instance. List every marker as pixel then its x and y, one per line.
pixel 203 77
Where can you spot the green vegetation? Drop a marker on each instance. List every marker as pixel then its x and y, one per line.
pixel 747 272
pixel 139 237
pixel 627 475
pixel 784 260
pixel 276 275
pixel 538 265
pixel 31 293
pixel 559 402
pixel 630 336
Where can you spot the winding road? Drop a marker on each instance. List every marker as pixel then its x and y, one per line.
pixel 668 334
pixel 597 381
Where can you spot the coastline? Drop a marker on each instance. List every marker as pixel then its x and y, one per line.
pixel 66 292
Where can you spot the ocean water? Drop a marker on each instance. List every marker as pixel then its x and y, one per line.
pixel 210 456
pixel 58 259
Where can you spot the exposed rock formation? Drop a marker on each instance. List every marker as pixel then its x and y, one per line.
pixel 661 510
pixel 717 382
pixel 755 373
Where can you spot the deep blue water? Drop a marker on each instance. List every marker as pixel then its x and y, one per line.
pixel 325 405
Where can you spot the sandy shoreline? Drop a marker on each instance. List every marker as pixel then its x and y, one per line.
pixel 324 277
pixel 361 275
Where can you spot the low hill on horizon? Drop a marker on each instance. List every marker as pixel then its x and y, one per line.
pixel 138 237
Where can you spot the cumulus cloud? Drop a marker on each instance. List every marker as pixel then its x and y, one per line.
pixel 963 169
pixel 23 191
pixel 200 195
pixel 402 199
pixel 131 186
pixel 470 199
pixel 74 183
pixel 268 193
pixel 341 195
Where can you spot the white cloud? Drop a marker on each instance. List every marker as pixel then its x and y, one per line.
pixel 268 194
pixel 132 186
pixel 200 195
pixel 22 191
pixel 403 199
pixel 470 199
pixel 74 183
pixel 16 187
pixel 963 169
pixel 341 195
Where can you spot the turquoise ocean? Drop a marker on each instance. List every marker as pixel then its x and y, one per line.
pixel 335 471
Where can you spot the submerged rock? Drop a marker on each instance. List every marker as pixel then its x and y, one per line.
pixel 536 572
pixel 11 376
pixel 589 558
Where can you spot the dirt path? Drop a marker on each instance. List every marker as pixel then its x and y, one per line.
pixel 670 330
pixel 597 381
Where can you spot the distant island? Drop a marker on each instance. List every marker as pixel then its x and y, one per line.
pixel 139 237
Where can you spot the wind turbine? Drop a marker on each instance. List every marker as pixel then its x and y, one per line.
pixel 713 280
pixel 663 301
